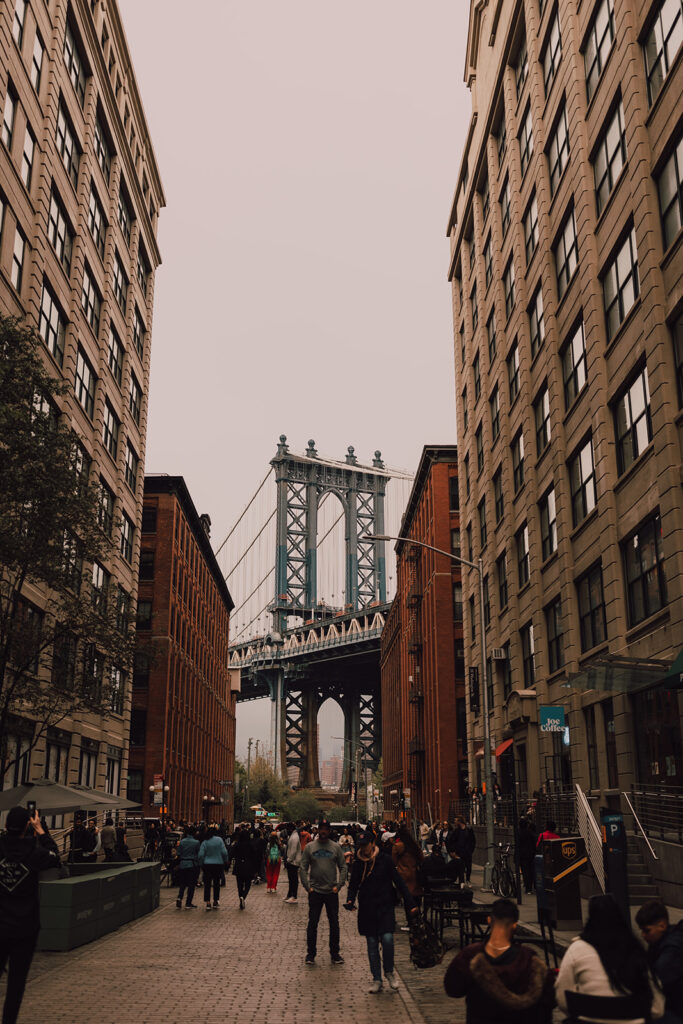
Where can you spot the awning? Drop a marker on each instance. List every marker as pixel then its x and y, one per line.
pixel 479 752
pixel 674 677
pixel 502 747
pixel 620 675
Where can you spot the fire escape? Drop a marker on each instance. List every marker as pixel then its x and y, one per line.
pixel 416 743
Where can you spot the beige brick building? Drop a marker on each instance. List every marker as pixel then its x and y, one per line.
pixel 567 288
pixel 80 195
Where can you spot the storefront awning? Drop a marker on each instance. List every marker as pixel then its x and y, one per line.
pixel 620 675
pixel 674 677
pixel 502 747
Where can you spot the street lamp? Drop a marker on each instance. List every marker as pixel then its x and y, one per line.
pixel 355 763
pixel 164 796
pixel 478 567
pixel 208 802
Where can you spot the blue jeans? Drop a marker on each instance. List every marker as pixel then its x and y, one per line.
pixel 387 941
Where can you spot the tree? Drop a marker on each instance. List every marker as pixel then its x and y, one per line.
pixel 302 806
pixel 265 786
pixel 66 641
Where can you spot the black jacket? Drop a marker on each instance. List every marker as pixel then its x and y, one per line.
pixel 515 988
pixel 373 882
pixel 666 960
pixel 463 841
pixel 527 844
pixel 21 860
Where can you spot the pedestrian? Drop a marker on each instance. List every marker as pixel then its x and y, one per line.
pixel 293 860
pixel 607 960
pixel 424 836
pixel 108 839
pixel 372 880
pixel 502 982
pixel 90 842
pixel 259 849
pixel 548 833
pixel 455 869
pixel 407 857
pixel 463 841
pixel 25 851
pixel 323 874
pixel 122 853
pixel 664 953
pixel 527 853
pixel 212 857
pixel 433 867
pixel 273 862
pixel 242 860
pixel 188 867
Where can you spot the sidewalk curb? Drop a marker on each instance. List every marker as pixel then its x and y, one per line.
pixel 411 1006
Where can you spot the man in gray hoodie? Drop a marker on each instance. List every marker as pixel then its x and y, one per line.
pixel 323 874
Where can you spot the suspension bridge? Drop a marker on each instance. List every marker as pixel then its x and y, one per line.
pixel 312 594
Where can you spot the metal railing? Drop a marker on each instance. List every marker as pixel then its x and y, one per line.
pixel 659 811
pixel 558 806
pixel 639 827
pixel 590 830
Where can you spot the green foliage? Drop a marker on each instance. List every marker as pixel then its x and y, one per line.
pixel 302 806
pixel 57 663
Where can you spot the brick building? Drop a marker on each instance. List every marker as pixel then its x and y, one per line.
pixel 424 754
pixel 331 772
pixel 80 194
pixel 567 299
pixel 184 695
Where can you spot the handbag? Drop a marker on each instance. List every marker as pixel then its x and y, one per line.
pixel 426 948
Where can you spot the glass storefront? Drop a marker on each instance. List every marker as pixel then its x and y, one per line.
pixel 657 726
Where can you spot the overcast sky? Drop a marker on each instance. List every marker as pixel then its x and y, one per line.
pixel 308 152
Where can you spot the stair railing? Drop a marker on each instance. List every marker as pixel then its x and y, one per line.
pixel 590 831
pixel 640 827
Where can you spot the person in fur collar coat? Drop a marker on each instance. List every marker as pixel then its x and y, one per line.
pixel 502 982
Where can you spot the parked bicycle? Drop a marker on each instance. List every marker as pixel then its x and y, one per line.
pixel 503 875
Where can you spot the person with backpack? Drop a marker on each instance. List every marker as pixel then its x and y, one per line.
pixel 273 861
pixel 372 880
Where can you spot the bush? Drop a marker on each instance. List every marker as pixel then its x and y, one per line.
pixel 302 806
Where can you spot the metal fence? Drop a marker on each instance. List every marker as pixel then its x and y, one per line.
pixel 660 812
pixel 558 806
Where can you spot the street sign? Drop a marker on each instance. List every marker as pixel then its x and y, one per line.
pixel 158 790
pixel 551 718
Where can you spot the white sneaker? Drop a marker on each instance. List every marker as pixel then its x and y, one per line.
pixel 375 988
pixel 392 979
pixel 292 899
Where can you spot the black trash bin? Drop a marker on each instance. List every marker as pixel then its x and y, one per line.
pixel 563 862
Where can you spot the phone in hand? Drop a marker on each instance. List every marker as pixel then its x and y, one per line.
pixel 31 807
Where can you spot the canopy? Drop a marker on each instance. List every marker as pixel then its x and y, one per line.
pixel 48 795
pixel 674 677
pixel 502 747
pixel 105 799
pixel 621 675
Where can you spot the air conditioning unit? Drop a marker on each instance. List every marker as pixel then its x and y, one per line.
pixel 498 654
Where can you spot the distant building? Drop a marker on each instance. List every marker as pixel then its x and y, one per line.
pixel 331 772
pixel 184 695
pixel 424 754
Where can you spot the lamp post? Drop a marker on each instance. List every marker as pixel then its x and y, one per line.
pixel 355 763
pixel 164 796
pixel 207 803
pixel 478 567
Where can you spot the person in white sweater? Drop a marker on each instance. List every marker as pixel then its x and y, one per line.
pixel 608 960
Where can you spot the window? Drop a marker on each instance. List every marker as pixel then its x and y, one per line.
pixel 491 335
pixel 582 482
pixel 591 602
pixel 131 470
pixel 144 616
pixel 105 511
pixel 507 674
pixel 552 53
pixel 102 151
pixel 63 659
pixel 474 307
pixel 149 519
pixel 487 614
pixel 19 21
pixel 127 534
pixel 644 565
pixel 526 141
pixel 548 524
pixel 620 284
pixel 574 364
pixel 462 335
pixel 110 431
pixel 662 43
pixel 531 228
pixel 457 602
pixel 8 116
pixel 97 223
pixel 502 573
pixel 476 373
pixel 120 284
pixel 670 189
pixel 139 334
pixel 505 207
pixel 100 588
pixel 555 635
pixel 494 404
pixel 467 474
pixel 513 372
pixel 479 441
pixel 610 157
pixel 517 448
pixel 112 780
pixel 115 355
pixel 125 218
pixel 135 399
pixel 509 287
pixel 528 651
pixel 501 139
pixel 473 254
pixel 143 270
pixel 57 757
pixel 522 541
pixel 632 422
pixel 566 252
pixel 134 787
pixel 37 62
pixel 488 261
pixel 542 418
pixel 483 532
pixel 485 199
pixel 18 255
pixel 465 415
pixel 146 565
pixel 536 322
pixel 27 157
pixel 498 500
pixel 73 562
pixel 67 146
pixel 521 68
pixel 93 672
pixel 91 301
pixel 138 728
pixel 598 45
pixel 74 63
pixel 51 324
pixel 473 621
pixel 592 747
pixel 558 149
pixel 59 232
pixel 468 533
pixel 85 383
pixel 677 338
pixel 610 742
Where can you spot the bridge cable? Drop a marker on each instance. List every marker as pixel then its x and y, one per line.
pixel 246 552
pixel 254 591
pixel 238 635
pixel 251 502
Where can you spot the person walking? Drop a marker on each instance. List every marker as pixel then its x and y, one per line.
pixel 527 852
pixel 665 953
pixel 548 833
pixel 292 862
pixel 258 845
pixel 607 960
pixel 108 839
pixel 462 842
pixel 242 860
pixel 502 982
pixel 372 880
pixel 212 857
pixel 407 858
pixel 323 873
pixel 25 851
pixel 273 862
pixel 188 867
pixel 424 836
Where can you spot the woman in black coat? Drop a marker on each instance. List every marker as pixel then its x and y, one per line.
pixel 373 879
pixel 243 863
